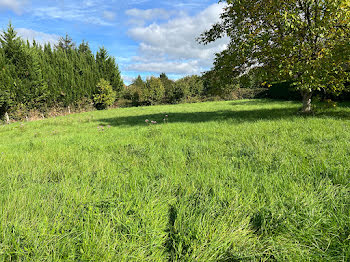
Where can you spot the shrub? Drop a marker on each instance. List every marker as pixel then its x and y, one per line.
pixel 153 92
pixel 105 96
pixel 189 88
pixel 132 94
pixel 122 102
pixel 247 93
pixel 82 105
pixel 5 102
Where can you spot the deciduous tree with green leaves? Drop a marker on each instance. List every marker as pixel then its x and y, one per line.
pixel 153 92
pixel 105 96
pixel 306 41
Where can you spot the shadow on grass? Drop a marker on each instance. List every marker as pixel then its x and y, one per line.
pixel 238 116
pixel 201 117
pixel 343 104
pixel 267 101
pixel 258 102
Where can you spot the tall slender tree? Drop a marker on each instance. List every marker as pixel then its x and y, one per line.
pixel 65 43
pixel 71 74
pixel 108 68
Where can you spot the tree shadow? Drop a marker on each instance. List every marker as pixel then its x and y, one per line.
pixel 258 102
pixel 201 117
pixel 339 114
pixel 343 104
pixel 238 116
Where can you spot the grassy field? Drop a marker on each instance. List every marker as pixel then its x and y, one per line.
pixel 219 181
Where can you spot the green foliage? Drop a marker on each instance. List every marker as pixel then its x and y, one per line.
pixel 214 85
pixel 132 93
pixel 40 77
pixel 105 96
pixel 149 92
pixel 85 49
pixel 307 41
pixel 6 85
pixel 189 88
pixel 109 69
pixel 11 45
pixel 153 92
pixel 247 93
pixel 283 90
pixel 224 181
pixel 66 44
pixel 163 90
pixel 171 94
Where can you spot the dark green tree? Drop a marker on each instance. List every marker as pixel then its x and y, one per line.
pixel 169 87
pixel 65 43
pixel 109 70
pixel 11 44
pixel 40 77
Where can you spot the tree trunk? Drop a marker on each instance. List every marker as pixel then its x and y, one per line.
pixel 306 101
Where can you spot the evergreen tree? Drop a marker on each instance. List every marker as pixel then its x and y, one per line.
pixel 11 44
pixel 138 82
pixel 6 84
pixel 84 48
pixel 109 70
pixel 65 43
pixel 71 74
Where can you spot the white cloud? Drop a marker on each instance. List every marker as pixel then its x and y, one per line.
pixel 175 43
pixel 148 14
pixel 14 5
pixel 139 17
pixel 109 15
pixel 89 3
pixel 39 37
pixel 87 13
pixel 128 79
pixel 172 67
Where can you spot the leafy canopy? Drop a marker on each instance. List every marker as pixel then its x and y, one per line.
pixel 306 41
pixel 105 96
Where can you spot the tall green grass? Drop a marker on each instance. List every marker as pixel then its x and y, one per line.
pixel 220 181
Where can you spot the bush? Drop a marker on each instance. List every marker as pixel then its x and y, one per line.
pixel 189 88
pixel 5 102
pixel 153 92
pixel 122 102
pixel 248 93
pixel 132 94
pixel 105 96
pixel 82 105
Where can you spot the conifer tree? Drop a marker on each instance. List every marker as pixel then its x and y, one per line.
pixel 109 70
pixel 35 76
pixel 65 43
pixel 10 43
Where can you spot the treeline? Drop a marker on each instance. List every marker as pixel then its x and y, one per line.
pixel 42 77
pixel 208 86
pixel 162 90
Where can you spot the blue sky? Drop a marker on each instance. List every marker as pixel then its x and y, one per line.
pixel 146 37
